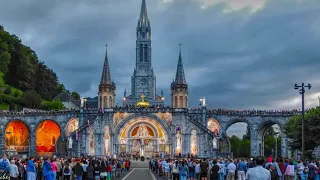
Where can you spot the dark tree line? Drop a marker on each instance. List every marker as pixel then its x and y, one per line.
pixel 24 78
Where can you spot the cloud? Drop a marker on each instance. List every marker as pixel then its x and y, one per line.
pixel 244 55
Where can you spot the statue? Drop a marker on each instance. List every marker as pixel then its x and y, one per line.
pixel 70 142
pixel 203 100
pixel 214 142
pixel 82 102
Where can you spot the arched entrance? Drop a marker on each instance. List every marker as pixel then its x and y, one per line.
pixel 17 138
pixel 269 139
pixel 238 136
pixel 47 134
pixel 143 136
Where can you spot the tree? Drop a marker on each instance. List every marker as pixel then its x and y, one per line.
pixel 2 83
pixel 312 127
pixel 75 95
pixel 52 105
pixel 31 99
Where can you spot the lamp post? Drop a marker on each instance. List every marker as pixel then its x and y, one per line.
pixel 276 135
pixel 302 91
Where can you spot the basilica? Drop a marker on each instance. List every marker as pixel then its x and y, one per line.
pixel 142 125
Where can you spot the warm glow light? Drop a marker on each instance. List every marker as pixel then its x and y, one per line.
pixel 124 98
pixel 46 136
pixel 17 136
pixel 162 98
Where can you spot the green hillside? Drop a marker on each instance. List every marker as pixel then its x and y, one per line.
pixel 25 81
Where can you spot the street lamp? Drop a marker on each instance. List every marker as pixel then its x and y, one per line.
pixel 302 91
pixel 276 135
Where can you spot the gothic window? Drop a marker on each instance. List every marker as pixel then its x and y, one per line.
pixel 181 102
pixel 110 102
pixel 178 140
pixel 194 142
pixel 175 101
pixel 105 102
pixel 145 54
pixel 141 53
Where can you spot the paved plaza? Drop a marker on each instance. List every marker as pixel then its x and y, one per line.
pixel 140 170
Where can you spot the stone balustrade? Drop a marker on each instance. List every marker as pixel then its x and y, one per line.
pixel 229 112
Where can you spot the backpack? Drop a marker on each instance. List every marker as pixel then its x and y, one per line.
pixel 66 170
pixel 305 170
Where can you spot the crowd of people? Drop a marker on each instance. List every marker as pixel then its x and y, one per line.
pixel 257 168
pixel 63 169
pixel 93 168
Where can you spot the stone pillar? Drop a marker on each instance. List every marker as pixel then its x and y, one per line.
pixel 32 142
pixel 260 143
pixel 284 149
pixel 254 140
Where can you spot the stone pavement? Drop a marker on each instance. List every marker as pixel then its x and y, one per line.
pixel 140 171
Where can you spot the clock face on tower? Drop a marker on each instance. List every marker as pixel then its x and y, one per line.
pixel 144 82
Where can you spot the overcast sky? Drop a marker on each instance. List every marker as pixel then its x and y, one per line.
pixel 239 54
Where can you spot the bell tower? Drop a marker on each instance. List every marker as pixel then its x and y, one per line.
pixel 107 88
pixel 179 87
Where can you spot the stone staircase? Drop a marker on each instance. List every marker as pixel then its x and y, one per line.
pixel 91 117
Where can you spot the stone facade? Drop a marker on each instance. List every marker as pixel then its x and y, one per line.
pixel 165 119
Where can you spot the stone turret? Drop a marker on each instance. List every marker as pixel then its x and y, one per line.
pixel 107 88
pixel 179 87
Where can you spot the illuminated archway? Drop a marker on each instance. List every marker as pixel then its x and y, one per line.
pixel 17 137
pixel 47 134
pixel 194 142
pixel 143 135
pixel 72 126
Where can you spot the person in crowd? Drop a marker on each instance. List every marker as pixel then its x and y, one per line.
pixel 231 168
pixel 4 166
pixel 78 171
pixel 59 168
pixel 242 168
pixel 183 171
pixel 31 169
pixel 90 171
pixel 47 170
pixel 214 171
pixel 289 173
pixel 303 171
pixel 175 171
pixel 67 171
pixel 54 169
pixel 258 172
pixel 204 167
pixel 14 172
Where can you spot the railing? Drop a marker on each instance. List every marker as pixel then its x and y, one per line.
pixel 92 118
pixel 202 127
pixel 40 112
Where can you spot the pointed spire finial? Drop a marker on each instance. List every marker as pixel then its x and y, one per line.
pixel 106 76
pixel 180 77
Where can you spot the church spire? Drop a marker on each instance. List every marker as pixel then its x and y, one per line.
pixel 180 77
pixel 143 27
pixel 143 13
pixel 106 76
